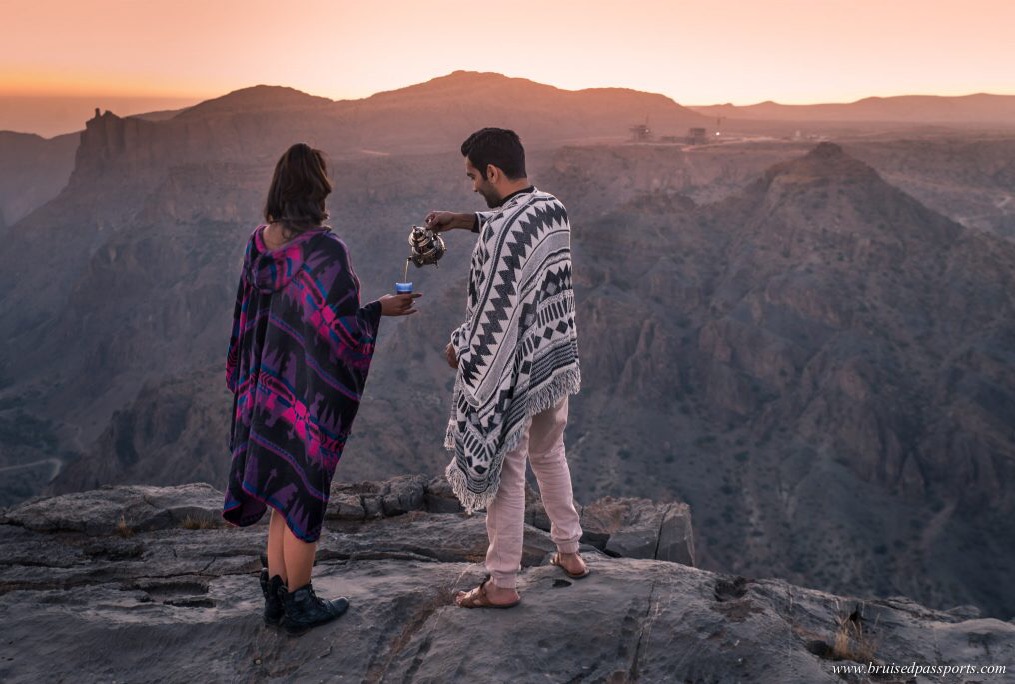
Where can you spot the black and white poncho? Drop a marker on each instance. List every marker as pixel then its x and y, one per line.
pixel 517 349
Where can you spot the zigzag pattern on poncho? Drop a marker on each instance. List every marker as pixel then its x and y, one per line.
pixel 518 348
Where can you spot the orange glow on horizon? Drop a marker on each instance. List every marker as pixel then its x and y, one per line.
pixel 43 84
pixel 739 51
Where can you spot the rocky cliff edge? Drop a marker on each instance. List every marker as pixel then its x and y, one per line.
pixel 140 583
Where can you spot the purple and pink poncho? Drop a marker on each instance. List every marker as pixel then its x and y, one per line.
pixel 298 358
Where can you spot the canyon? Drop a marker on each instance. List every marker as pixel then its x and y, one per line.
pixel 808 340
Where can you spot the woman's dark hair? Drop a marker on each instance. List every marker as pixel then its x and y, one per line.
pixel 298 190
pixel 497 146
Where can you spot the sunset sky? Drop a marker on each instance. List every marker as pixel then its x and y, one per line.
pixel 739 51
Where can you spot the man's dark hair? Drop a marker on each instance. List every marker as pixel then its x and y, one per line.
pixel 497 146
pixel 296 198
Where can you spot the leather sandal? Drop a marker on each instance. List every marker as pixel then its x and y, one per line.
pixel 555 560
pixel 478 598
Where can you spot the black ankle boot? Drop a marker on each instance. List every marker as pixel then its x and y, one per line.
pixel 273 610
pixel 305 609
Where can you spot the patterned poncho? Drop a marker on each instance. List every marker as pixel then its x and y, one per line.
pixel 517 350
pixel 298 358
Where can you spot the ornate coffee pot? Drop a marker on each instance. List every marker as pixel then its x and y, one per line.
pixel 425 246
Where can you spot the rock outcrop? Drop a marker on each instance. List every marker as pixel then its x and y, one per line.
pixel 145 584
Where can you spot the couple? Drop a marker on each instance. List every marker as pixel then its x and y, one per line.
pixel 301 347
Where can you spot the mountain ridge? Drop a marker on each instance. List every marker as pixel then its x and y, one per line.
pixel 816 112
pixel 979 108
pixel 252 122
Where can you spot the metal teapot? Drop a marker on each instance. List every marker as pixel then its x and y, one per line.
pixel 425 246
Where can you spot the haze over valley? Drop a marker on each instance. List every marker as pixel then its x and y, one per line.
pixel 798 321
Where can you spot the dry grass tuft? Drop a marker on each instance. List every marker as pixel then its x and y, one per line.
pixel 123 528
pixel 192 523
pixel 850 641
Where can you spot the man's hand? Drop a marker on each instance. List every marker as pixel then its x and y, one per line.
pixel 449 354
pixel 398 305
pixel 440 221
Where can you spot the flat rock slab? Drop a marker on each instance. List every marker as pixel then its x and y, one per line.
pixel 177 601
pixel 64 560
pixel 445 537
pixel 630 620
pixel 122 509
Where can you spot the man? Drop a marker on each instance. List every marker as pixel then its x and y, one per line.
pixel 516 357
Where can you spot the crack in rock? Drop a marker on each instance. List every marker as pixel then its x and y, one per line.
pixel 646 625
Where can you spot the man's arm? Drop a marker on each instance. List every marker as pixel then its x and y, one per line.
pixel 441 221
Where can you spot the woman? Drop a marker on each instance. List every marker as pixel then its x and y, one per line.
pixel 298 358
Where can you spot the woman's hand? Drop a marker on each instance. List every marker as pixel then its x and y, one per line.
pixel 398 305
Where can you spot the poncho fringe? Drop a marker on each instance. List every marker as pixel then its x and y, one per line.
pixel 567 383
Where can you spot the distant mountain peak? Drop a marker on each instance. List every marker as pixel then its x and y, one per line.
pixel 481 91
pixel 473 75
pixel 827 151
pixel 828 182
pixel 461 83
pixel 262 97
pixel 272 92
pixel 825 160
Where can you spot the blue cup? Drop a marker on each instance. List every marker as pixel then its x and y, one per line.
pixel 403 288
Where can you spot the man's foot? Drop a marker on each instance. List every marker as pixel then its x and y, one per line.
pixel 488 595
pixel 571 563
